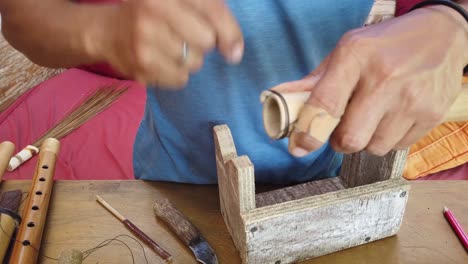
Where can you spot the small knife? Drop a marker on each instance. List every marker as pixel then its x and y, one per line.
pixel 185 230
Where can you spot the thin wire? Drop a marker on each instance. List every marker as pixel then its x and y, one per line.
pixel 24 199
pixel 108 241
pixel 17 241
pixel 88 252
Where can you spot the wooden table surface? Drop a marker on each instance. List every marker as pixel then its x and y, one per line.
pixel 76 220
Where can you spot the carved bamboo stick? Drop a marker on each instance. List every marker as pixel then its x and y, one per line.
pixel 35 211
pixel 281 111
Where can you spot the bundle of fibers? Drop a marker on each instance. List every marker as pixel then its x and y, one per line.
pixel 90 107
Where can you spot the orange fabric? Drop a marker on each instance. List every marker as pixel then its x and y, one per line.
pixel 444 148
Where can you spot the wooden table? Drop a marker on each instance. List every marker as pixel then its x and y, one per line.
pixel 76 220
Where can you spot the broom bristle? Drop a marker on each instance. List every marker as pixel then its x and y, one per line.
pixel 96 103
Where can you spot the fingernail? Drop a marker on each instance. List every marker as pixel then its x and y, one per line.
pixel 236 53
pixel 299 152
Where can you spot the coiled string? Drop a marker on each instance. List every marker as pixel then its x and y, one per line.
pixel 90 251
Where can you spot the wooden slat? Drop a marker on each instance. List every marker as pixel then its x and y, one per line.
pixel 363 168
pixel 299 191
pixel 320 226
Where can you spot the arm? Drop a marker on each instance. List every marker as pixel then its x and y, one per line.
pixel 141 39
pixel 56 33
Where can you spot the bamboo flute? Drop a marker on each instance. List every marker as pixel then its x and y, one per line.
pixel 29 237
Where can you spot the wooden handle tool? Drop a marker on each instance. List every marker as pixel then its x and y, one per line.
pixel 185 230
pixel 136 231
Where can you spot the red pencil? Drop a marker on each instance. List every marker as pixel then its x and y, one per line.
pixel 456 227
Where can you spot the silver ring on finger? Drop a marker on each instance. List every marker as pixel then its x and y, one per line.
pixel 185 52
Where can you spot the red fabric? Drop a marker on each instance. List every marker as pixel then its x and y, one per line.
pixel 100 149
pixel 457 173
pixel 404 6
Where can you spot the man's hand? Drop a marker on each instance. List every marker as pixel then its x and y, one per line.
pixel 144 39
pixel 386 85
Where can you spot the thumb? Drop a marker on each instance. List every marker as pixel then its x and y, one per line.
pixel 305 84
pixel 326 104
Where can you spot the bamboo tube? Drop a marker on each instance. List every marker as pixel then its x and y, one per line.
pixel 6 151
pixel 281 111
pixel 8 221
pixel 35 211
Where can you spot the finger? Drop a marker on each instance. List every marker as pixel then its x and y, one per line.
pixel 359 123
pixel 389 132
pixel 297 86
pixel 417 131
pixel 320 69
pixel 328 100
pixel 171 44
pixel 306 84
pixel 163 71
pixel 188 24
pixel 228 33
pixel 194 60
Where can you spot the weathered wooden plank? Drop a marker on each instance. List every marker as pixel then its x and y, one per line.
pixel 275 210
pixel 381 10
pixel 363 168
pixel 298 191
pixel 318 225
pixel 236 185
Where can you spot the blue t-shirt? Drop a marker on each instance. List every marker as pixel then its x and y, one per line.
pixel 284 41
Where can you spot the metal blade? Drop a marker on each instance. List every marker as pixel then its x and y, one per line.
pixel 203 252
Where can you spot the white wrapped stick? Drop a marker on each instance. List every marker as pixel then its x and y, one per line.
pixel 22 156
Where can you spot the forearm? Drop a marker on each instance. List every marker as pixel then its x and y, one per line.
pixel 56 33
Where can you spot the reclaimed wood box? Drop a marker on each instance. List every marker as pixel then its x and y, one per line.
pixel 365 203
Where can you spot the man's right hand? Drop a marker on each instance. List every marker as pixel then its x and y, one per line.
pixel 144 39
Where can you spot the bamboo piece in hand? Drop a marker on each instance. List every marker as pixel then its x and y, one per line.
pixel 35 211
pixel 281 111
pixel 136 231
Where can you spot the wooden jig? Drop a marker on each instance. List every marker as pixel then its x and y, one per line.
pixel 364 204
pixel 35 211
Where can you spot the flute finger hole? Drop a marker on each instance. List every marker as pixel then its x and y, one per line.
pixel 38 193
pixel 35 207
pixel 26 243
pixel 45 166
pixel 42 179
pixel 31 224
